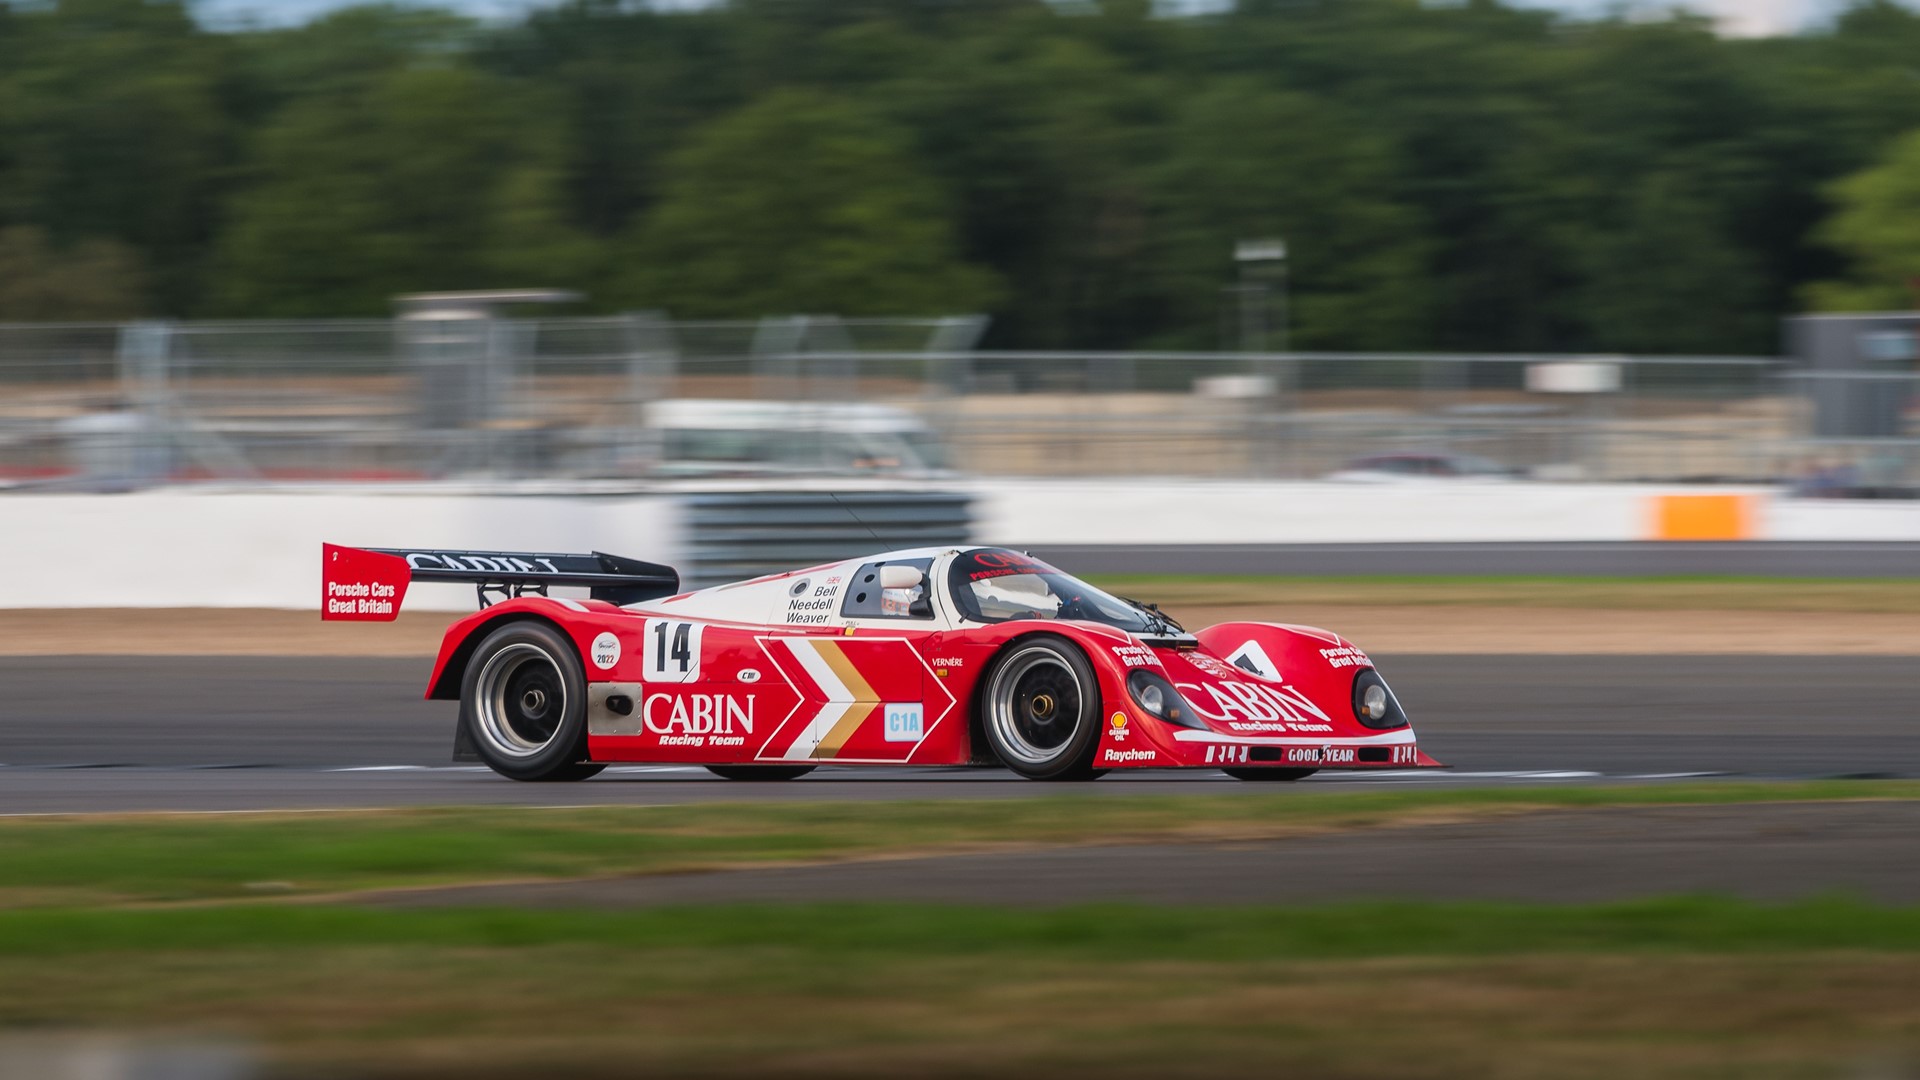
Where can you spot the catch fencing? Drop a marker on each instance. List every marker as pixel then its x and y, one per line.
pixel 610 400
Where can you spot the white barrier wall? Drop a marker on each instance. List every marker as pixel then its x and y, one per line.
pixel 176 548
pixel 1220 512
pixel 184 548
pixel 1840 520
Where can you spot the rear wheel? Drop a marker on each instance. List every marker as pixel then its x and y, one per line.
pixel 523 703
pixel 760 772
pixel 1041 710
pixel 1270 774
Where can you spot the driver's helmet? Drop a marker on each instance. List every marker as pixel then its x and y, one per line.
pixel 900 601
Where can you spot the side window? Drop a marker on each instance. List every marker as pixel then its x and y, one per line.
pixel 868 597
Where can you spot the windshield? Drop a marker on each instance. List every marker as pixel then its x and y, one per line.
pixel 927 447
pixel 992 585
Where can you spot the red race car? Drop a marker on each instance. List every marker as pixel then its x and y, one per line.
pixel 934 656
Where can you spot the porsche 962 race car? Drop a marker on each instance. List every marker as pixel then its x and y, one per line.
pixel 934 656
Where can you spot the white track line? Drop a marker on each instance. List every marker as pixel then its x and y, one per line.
pixel 1394 775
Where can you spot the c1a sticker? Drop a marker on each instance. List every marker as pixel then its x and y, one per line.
pixel 671 651
pixel 904 722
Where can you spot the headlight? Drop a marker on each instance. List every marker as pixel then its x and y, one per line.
pixel 1160 700
pixel 1153 699
pixel 1373 702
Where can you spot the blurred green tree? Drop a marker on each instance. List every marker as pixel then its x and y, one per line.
pixel 429 178
pixel 1670 162
pixel 628 86
pixel 800 203
pixel 1666 276
pixel 341 52
pixel 1461 99
pixel 1246 163
pixel 1451 176
pixel 113 127
pixel 1876 223
pixel 1047 139
pixel 91 280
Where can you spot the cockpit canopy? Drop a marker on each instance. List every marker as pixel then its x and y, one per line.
pixel 997 585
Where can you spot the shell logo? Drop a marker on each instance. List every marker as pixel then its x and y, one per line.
pixel 1118 720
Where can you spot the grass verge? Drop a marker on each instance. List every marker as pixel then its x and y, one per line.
pixel 1692 987
pixel 158 858
pixel 1893 596
pixel 1088 932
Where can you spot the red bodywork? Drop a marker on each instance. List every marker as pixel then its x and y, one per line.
pixel 760 694
pixel 732 693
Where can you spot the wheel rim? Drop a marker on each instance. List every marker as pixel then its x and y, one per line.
pixel 521 701
pixel 1034 705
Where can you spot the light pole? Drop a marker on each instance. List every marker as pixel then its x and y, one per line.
pixel 1260 262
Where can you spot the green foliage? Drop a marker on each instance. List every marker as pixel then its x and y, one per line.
pixel 1463 176
pixel 93 280
pixel 800 203
pixel 112 127
pixel 1665 275
pixel 426 178
pixel 1878 224
pixel 1046 137
pixel 1666 988
pixel 1703 925
pixel 1247 163
pixel 110 860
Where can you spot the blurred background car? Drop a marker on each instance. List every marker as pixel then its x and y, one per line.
pixel 1415 467
pixel 705 437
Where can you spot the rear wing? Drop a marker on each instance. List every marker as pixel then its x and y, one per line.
pixel 368 584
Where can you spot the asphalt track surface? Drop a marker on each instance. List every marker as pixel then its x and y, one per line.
pixel 88 734
pixel 1764 558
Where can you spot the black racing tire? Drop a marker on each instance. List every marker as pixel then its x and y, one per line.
pixel 1040 709
pixel 523 703
pixel 1269 774
pixel 760 772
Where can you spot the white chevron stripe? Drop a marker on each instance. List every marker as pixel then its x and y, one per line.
pixel 809 738
pixel 839 698
pixel 808 654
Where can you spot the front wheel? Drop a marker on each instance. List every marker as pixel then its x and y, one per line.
pixel 523 702
pixel 760 772
pixel 1269 774
pixel 1041 709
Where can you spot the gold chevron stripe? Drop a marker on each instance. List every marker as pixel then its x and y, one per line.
pixel 836 658
pixel 856 714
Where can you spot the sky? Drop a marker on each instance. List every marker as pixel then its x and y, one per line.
pixel 1741 17
pixel 1746 18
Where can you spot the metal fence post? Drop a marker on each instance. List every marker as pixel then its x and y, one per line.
pixel 653 360
pixel 142 352
pixel 774 365
pixel 828 357
pixel 145 351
